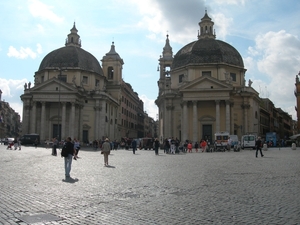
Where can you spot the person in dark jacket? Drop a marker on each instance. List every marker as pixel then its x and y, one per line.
pixel 258 144
pixel 68 160
pixel 156 146
pixel 133 145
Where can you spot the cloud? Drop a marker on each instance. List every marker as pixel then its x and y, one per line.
pixel 223 23
pixel 277 59
pixel 149 106
pixel 24 53
pixel 230 2
pixel 43 11
pixel 179 19
pixel 11 92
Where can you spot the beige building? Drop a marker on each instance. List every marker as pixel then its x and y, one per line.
pixel 73 96
pixel 202 90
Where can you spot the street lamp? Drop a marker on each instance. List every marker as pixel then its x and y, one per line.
pixel 59 76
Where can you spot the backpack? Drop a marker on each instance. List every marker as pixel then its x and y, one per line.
pixel 64 151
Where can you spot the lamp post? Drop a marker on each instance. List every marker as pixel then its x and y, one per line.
pixel 59 76
pixel 58 108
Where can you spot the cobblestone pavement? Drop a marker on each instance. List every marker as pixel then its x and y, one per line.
pixel 193 188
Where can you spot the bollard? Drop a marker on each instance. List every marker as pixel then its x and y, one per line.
pixel 294 146
pixel 265 148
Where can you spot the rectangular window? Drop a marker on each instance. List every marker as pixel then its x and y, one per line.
pixel 97 83
pixel 233 76
pixel 85 80
pixel 206 73
pixel 181 76
pixel 62 78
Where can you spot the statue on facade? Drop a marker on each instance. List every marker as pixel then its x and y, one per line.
pixel 250 83
pixel 25 86
pixel 29 84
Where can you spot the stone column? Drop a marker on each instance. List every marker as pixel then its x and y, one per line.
pixel 80 128
pixel 169 124
pixel 227 122
pixel 72 122
pixel 217 116
pixel 33 118
pixel 63 121
pixel 195 123
pixel 97 120
pixel 102 120
pixel 26 118
pixel 245 109
pixel 184 121
pixel 231 118
pixel 43 117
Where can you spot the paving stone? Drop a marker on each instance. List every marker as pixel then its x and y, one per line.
pixel 192 188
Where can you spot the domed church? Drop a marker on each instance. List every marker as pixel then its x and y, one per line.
pixel 74 96
pixel 202 90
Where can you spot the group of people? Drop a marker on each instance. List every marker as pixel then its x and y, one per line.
pixel 72 148
pixel 16 143
pixel 173 146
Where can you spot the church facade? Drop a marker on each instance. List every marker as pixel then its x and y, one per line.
pixel 74 96
pixel 202 90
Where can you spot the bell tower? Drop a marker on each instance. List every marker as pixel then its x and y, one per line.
pixel 112 65
pixel 165 62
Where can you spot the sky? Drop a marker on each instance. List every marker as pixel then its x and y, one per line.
pixel 265 32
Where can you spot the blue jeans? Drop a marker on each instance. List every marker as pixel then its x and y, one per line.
pixel 68 163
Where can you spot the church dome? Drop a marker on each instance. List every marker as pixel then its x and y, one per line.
pixel 206 51
pixel 71 56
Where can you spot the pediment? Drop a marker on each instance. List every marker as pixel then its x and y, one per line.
pixel 53 85
pixel 206 83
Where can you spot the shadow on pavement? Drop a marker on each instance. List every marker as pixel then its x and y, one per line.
pixel 70 180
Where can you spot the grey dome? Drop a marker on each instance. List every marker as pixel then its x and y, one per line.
pixel 205 51
pixel 71 56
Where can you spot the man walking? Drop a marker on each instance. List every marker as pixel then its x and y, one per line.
pixel 258 144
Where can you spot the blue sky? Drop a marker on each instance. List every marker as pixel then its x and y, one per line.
pixel 265 32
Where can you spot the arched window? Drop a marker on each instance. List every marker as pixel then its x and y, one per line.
pixel 110 73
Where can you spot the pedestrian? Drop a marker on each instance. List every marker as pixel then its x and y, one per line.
pixel 54 147
pixel 36 143
pixel 19 143
pixel 166 146
pixel 190 147
pixel 105 150
pixel 133 145
pixel 68 159
pixel 173 147
pixel 229 143
pixel 196 146
pixel 156 146
pixel 203 145
pixel 15 143
pixel 258 145
pixel 77 147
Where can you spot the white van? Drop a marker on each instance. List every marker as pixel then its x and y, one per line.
pixel 248 141
pixel 234 140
